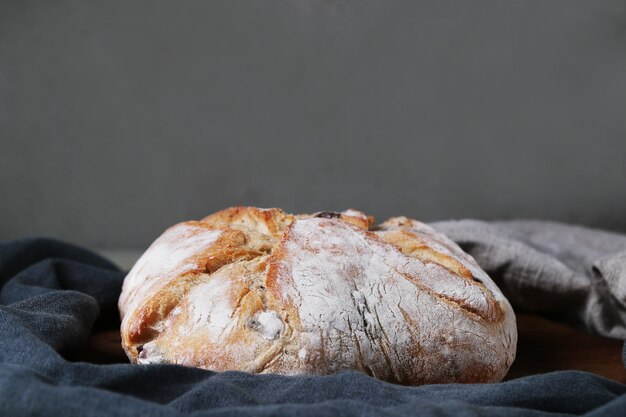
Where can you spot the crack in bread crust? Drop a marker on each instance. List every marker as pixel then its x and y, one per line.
pixel 260 290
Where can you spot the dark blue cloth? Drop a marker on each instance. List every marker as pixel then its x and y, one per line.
pixel 54 295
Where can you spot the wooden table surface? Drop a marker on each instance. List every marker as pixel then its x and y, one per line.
pixel 543 346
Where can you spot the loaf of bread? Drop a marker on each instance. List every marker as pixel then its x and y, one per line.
pixel 263 291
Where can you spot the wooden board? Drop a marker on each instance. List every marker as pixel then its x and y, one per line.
pixel 546 346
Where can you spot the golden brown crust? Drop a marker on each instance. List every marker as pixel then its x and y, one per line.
pixel 268 221
pixel 260 290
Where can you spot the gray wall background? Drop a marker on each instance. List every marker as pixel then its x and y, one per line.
pixel 120 118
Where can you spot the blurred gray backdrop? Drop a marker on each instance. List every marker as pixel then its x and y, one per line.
pixel 120 118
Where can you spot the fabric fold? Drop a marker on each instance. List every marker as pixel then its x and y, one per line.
pixel 573 274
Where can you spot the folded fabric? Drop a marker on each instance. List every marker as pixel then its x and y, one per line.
pixel 54 295
pixel 571 273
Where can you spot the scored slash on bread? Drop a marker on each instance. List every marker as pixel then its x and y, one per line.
pixel 260 290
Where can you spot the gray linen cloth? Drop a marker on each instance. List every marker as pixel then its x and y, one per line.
pixel 574 274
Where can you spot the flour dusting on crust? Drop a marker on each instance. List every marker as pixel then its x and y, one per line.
pixel 259 290
pixel 357 307
pixel 169 256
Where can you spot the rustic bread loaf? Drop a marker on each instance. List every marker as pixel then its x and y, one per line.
pixel 259 290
